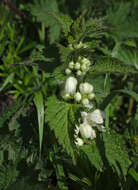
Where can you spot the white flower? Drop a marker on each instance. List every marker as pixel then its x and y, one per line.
pixel 77 97
pixel 87 131
pixel 84 117
pixel 71 65
pixel 89 106
pixel 70 85
pixel 80 45
pixel 84 67
pixel 77 66
pixel 79 73
pixel 77 129
pixel 101 128
pixel 86 88
pixel 91 96
pixel 95 117
pixel 86 61
pixel 79 141
pixel 68 71
pixel 85 101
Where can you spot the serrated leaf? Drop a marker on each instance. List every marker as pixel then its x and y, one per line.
pixel 57 115
pixel 38 100
pixel 112 66
pixel 92 153
pixel 46 12
pixel 65 53
pixel 116 153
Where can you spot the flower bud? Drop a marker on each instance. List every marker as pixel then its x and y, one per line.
pixel 70 85
pixel 77 66
pixel 71 65
pixel 84 67
pixel 95 117
pixel 91 96
pixel 80 45
pixel 85 101
pixel 79 73
pixel 85 88
pixel 79 141
pixel 87 131
pixel 77 97
pixel 86 61
pixel 68 71
pixel 101 128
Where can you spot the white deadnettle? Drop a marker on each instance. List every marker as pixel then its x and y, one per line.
pixel 79 141
pixel 71 65
pixel 80 45
pixel 70 85
pixel 87 131
pixel 85 102
pixel 86 88
pixel 77 129
pixel 101 128
pixel 77 66
pixel 68 71
pixel 95 117
pixel 86 61
pixel 89 106
pixel 91 96
pixel 84 67
pixel 77 97
pixel 79 73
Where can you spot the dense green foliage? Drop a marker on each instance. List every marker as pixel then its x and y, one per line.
pixel 38 41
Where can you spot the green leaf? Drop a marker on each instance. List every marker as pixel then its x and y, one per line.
pixel 8 175
pixel 123 21
pixel 38 100
pixel 111 65
pixel 116 153
pixel 46 12
pixel 133 173
pixel 65 53
pixel 65 22
pixel 57 115
pixel 7 81
pixel 107 100
pixel 92 153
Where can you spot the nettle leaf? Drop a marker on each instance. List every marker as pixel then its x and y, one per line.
pixel 65 22
pixel 65 53
pixel 45 12
pixel 8 175
pixel 116 153
pixel 93 155
pixel 123 21
pixel 111 65
pixel 57 115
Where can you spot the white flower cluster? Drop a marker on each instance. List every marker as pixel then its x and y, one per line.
pixel 78 46
pixel 86 129
pixel 80 67
pixel 82 93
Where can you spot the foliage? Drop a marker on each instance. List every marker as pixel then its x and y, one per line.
pixel 40 147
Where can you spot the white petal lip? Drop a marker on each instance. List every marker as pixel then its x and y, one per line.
pixel 87 131
pixel 95 117
pixel 86 88
pixel 77 97
pixel 79 141
pixel 70 85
